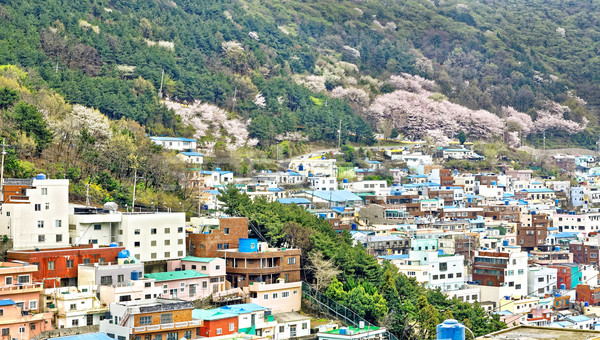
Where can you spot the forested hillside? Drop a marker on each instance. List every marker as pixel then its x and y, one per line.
pixel 293 69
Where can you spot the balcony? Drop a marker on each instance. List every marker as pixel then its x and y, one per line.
pixel 21 288
pixel 167 326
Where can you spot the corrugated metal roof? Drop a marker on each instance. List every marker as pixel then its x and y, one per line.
pixel 88 336
pixel 176 275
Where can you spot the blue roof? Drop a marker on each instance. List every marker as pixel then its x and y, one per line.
pixel 293 173
pixel 275 189
pixel 244 308
pixel 178 139
pixel 457 150
pixel 338 209
pixel 363 170
pixel 393 257
pixel 508 194
pixel 191 154
pixel 212 192
pixel 209 172
pixel 538 191
pixel 87 336
pixel 335 195
pixel 417 176
pixel 578 318
pixel 565 234
pixel 561 324
pixel 552 228
pixel 504 312
pixel 374 162
pixel 293 200
pixel 6 302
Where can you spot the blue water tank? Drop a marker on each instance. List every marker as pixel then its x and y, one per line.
pixel 342 331
pixel 557 295
pixel 557 248
pixel 484 248
pixel 563 286
pixel 310 174
pixel 135 275
pixel 493 182
pixel 586 304
pixel 441 252
pixel 123 254
pixel 505 243
pixel 507 298
pixel 248 245
pixel 557 201
pixel 322 157
pixel 450 330
pixel 300 167
pixel 217 169
pixel 506 202
pixel 353 226
pixel 40 176
pixel 113 245
pixel 345 180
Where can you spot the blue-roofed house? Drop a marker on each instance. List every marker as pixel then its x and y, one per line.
pixel 215 178
pixel 542 194
pixel 338 198
pixel 176 143
pixel 581 321
pixel 460 153
pixel 191 157
pixel 375 165
pixel 303 202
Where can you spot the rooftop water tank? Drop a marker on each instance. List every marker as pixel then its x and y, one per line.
pixel 217 169
pixel 113 245
pixel 135 275
pixel 123 254
pixel 557 248
pixel 345 180
pixel 563 286
pixel 300 167
pixel 353 226
pixel 450 330
pixel 40 176
pixel 505 243
pixel 586 304
pixel 248 245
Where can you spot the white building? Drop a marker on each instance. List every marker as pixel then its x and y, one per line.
pixel 318 166
pixel 175 143
pixel 541 280
pixel 35 212
pixel 378 187
pixel 323 183
pixel 191 157
pixel 470 295
pixel 291 325
pixel 579 223
pixel 74 307
pixel 155 236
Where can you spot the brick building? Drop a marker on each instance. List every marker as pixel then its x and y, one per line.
pixel 446 179
pixel 533 230
pixel 505 267
pixel 58 267
pixel 255 262
pixel 208 241
pixel 585 293
pixel 568 275
pixel 504 213
pixel 584 253
pixel 216 323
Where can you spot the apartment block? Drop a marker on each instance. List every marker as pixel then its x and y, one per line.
pixel 210 236
pixel 504 268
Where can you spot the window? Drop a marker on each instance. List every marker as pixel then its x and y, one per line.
pixel 180 229
pixel 58 223
pixel 285 294
pixel 106 280
pixel 153 243
pixel 167 230
pixel 219 331
pixel 167 242
pixel 23 279
pixel 8 280
pixel 120 278
pixel 153 255
pixel 231 327
pixel 50 265
pixel 44 191
pixel 167 254
pixel 94 241
pixel 520 271
pixel 187 334
pixel 226 231
pixel 518 286
pixel 180 241
pixel 153 231
pixel 75 322
pixel 435 277
pixel 146 320
pixel 136 232
pixel 32 326
pixel 97 227
pixel 86 261
pixel 274 295
pixel 166 318
pixel 304 325
pixel 266 296
pixel 136 244
pixel 203 267
pixel 58 237
pixel 37 207
pixel 180 253
pixel 40 224
pixel 443 266
pixel 291 260
pixel 69 263
pixel 33 305
pixel 281 329
pixel 72 306
pixel 220 246
pixel 204 284
pixel 41 238
pixel 21 329
pixel 458 274
pixel 101 260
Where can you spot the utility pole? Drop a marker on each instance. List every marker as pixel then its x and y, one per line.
pixel 340 135
pixel 134 185
pixel 87 195
pixel 162 77
pixel 4 145
pixel 544 142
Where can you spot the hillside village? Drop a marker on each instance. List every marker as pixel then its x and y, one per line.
pixel 522 247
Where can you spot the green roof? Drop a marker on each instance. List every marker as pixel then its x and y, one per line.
pixel 198 259
pixel 211 314
pixel 177 275
pixel 356 330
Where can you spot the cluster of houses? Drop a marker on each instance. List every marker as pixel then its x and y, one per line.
pixel 522 247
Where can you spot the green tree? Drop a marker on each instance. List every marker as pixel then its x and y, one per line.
pixel 462 137
pixel 427 318
pixel 233 199
pixel 31 121
pixel 7 97
pixel 336 292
